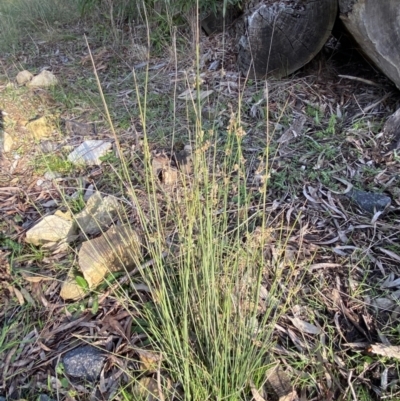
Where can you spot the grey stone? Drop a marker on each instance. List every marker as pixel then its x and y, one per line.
pixel 98 214
pixel 85 362
pixel 369 201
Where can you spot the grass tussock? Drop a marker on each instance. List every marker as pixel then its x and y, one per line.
pixel 206 239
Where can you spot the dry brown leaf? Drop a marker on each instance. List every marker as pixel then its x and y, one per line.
pixel 280 383
pixel 191 94
pixel 317 266
pixel 7 362
pixel 36 279
pixel 300 345
pixel 390 282
pixel 255 393
pixel 383 304
pixel 149 360
pixel 305 327
pixel 147 389
pixel 294 130
pixel 390 253
pixel 111 323
pixel 19 296
pixel 47 334
pixel 27 296
pixel 390 351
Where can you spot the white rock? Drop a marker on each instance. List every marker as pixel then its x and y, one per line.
pixel 54 228
pixel 7 142
pixel 43 80
pixel 98 214
pixel 23 77
pixel 89 152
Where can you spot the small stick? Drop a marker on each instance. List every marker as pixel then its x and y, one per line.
pixel 363 80
pixel 351 386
